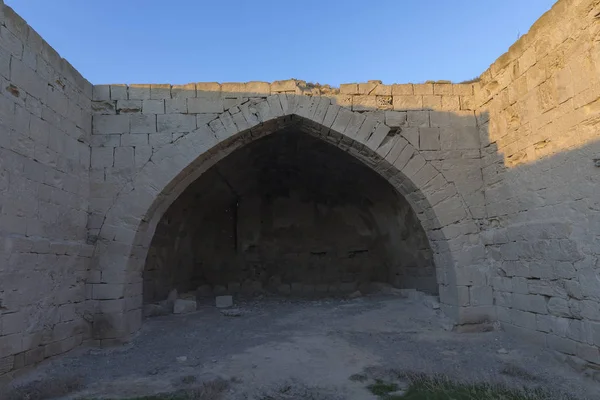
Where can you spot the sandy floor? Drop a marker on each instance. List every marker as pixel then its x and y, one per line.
pixel 316 344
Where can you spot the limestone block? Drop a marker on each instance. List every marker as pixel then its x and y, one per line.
pixel 123 157
pixel 451 103
pixel 182 306
pixel 141 123
pixel 349 88
pixel 127 107
pixel 378 136
pixel 118 92
pixel 101 92
pixel 425 174
pixel 107 291
pixel 407 102
pixel 223 301
pixel 160 91
pixel 418 118
pixel 342 120
pixel 459 138
pixel 183 91
pixel 10 344
pixel 414 165
pixel 11 42
pixel 432 102
pixel 102 157
pixel 402 89
pixel 449 211
pixel 442 89
pixel 423 89
pixel 395 118
pixel 559 307
pixel 429 138
pixel 27 79
pixel 153 107
pixel 364 103
pixel 176 123
pixel 139 92
pixel 532 303
pixel 110 124
pixel 523 319
pixel 176 106
pixel 258 89
pixel 284 86
pixel 202 105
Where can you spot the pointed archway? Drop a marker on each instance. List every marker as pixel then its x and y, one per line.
pixel 131 221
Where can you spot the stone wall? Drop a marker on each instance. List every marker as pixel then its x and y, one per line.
pixel 540 104
pixel 398 130
pixel 45 127
pixel 267 218
pixel 501 174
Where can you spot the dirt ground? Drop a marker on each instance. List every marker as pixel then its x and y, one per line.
pixel 313 344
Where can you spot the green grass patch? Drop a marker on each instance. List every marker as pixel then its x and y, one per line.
pixel 381 388
pixel 440 388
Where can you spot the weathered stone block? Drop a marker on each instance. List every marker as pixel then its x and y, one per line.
pixel 153 107
pixel 223 301
pixel 203 105
pixel 429 138
pixel 558 307
pixel 176 123
pixel 185 306
pixel 110 124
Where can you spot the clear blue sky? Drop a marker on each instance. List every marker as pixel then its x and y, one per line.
pixel 324 41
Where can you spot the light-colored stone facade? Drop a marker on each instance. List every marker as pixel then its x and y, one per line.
pixel 499 173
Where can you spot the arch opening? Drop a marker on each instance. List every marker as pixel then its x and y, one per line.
pixel 291 214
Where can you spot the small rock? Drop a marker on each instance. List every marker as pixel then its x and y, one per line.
pixel 355 295
pixel 181 359
pixel 502 351
pixel 223 301
pixel 184 306
pixel 432 302
pixel 232 312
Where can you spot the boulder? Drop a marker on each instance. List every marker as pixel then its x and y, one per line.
pixel 184 306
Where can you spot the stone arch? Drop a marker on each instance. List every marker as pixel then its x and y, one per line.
pixel 130 222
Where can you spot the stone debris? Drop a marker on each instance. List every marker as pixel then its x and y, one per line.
pixel 355 295
pixel 502 351
pixel 155 310
pixel 181 359
pixel 431 301
pixel 223 301
pixel 182 306
pixel 232 312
